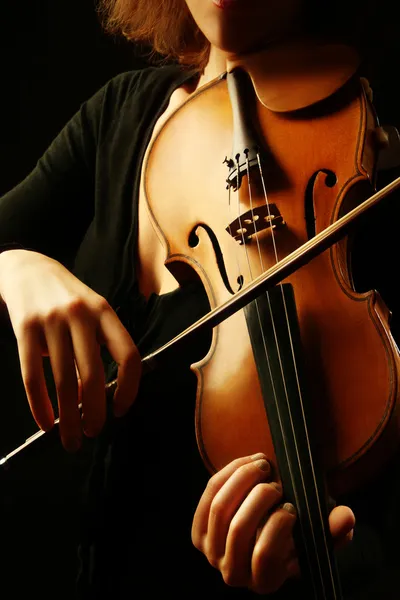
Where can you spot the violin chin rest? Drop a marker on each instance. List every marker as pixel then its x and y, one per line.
pixel 292 77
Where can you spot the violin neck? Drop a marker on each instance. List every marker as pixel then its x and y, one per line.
pixel 273 328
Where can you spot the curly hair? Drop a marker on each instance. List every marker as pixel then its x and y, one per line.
pixel 170 31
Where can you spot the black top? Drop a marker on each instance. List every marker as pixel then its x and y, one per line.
pixel 79 206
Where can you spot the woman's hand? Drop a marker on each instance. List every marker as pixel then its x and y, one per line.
pixel 54 314
pixel 246 533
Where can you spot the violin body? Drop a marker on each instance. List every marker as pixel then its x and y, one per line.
pixel 318 163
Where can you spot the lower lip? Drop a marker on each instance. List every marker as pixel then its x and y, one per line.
pixel 228 4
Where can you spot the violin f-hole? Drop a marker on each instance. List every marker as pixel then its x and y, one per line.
pixel 309 204
pixel 193 241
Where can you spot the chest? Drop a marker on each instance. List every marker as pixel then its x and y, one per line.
pixel 153 276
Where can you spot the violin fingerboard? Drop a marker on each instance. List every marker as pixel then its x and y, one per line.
pixel 275 337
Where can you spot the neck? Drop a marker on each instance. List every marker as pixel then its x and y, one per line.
pixel 218 59
pixel 216 65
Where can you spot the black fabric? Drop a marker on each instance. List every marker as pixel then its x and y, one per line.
pixel 79 206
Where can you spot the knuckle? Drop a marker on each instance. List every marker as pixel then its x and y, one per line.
pixel 26 325
pixel 262 557
pixel 236 528
pixel 267 492
pixel 75 307
pixel 212 486
pixel 282 519
pixel 204 545
pixel 197 540
pixel 231 579
pixel 246 467
pixel 241 461
pixel 217 509
pixel 53 316
pixel 269 569
pixel 234 575
pixel 100 304
pixel 269 577
pixel 213 560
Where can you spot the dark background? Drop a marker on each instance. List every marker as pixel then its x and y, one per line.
pixel 53 56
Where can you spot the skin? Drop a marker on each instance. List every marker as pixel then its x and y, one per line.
pixel 240 524
pixel 235 32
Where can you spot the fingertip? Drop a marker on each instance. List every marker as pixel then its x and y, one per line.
pixel 120 404
pixel 46 426
pixel 93 426
pixel 72 445
pixel 258 456
pixel 349 536
pixel 46 420
pixel 263 465
pixel 342 522
pixel 289 508
pixel 120 410
pixel 92 431
pixel 343 541
pixel 342 519
pixel 293 569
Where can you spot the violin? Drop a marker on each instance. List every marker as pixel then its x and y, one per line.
pixel 253 185
pixel 249 169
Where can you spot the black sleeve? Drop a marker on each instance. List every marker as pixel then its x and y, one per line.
pixel 50 210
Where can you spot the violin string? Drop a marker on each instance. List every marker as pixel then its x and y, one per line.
pixel 276 338
pixel 265 346
pixel 264 341
pixel 241 230
pixel 232 234
pixel 300 397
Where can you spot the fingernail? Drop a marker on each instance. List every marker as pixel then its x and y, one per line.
pixel 277 486
pixel 350 535
pixel 289 508
pixel 258 456
pixel 263 465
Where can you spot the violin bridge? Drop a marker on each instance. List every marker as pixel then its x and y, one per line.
pixel 254 221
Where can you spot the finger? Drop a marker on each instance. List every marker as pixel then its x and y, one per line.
pixel 293 568
pixel 341 521
pixel 272 551
pixel 227 501
pixel 125 353
pixel 243 530
pixel 63 367
pixel 33 378
pixel 91 374
pixel 200 519
pixel 340 542
pixel 78 378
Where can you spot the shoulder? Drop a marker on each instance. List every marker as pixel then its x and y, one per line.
pixel 132 95
pixel 132 86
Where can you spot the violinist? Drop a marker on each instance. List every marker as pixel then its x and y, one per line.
pixel 83 281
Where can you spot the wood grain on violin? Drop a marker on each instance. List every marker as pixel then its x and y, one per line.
pixel 308 372
pixel 311 184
